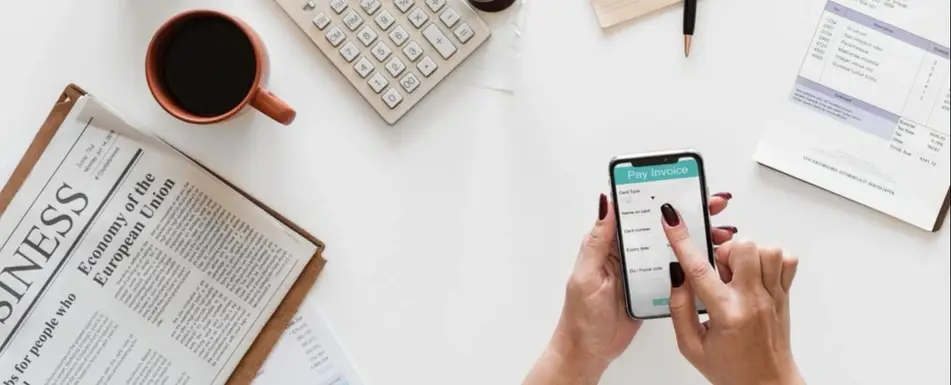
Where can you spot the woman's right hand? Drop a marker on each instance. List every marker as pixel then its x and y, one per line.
pixel 746 340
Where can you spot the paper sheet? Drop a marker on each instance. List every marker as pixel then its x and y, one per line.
pixel 876 75
pixel 308 354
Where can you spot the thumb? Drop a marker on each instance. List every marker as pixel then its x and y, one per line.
pixel 599 242
pixel 683 313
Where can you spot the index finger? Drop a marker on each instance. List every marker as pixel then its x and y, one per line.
pixel 697 268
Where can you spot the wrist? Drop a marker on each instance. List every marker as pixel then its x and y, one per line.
pixel 560 367
pixel 566 367
pixel 794 379
pixel 576 363
pixel 791 377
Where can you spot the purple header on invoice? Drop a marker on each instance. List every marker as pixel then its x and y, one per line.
pixel 846 108
pixel 888 29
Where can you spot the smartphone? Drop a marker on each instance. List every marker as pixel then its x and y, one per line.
pixel 641 184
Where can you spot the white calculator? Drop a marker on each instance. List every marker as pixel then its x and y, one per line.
pixel 393 51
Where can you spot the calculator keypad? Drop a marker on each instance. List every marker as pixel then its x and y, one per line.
pixel 393 51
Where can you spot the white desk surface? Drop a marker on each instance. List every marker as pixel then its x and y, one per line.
pixel 450 236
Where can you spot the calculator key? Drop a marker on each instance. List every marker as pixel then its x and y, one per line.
pixel 412 51
pixel 321 21
pixel 449 17
pixel 418 17
pixel 395 66
pixel 377 82
pixel 392 98
pixel 381 51
pixel 399 35
pixel 464 33
pixel 435 5
pixel 384 20
pixel 338 5
pixel 353 20
pixel 427 66
pixel 403 5
pixel 310 5
pixel 409 82
pixel 363 67
pixel 370 6
pixel 367 36
pixel 439 41
pixel 335 36
pixel 349 51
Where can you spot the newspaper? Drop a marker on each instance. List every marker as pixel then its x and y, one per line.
pixel 123 262
pixel 308 354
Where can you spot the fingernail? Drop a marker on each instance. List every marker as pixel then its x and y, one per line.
pixel 724 195
pixel 602 207
pixel 731 229
pixel 670 215
pixel 676 275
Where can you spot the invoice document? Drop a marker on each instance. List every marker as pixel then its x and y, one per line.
pixel 876 76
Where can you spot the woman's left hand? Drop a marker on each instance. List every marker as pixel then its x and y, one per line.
pixel 594 328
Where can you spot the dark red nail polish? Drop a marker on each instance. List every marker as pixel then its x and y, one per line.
pixel 724 195
pixel 676 275
pixel 602 207
pixel 670 215
pixel 731 229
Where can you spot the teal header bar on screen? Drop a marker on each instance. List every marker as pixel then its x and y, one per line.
pixel 685 168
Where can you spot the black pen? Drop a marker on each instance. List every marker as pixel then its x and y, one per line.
pixel 690 16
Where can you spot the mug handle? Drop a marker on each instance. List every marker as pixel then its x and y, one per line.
pixel 273 107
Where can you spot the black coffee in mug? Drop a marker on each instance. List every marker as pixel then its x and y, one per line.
pixel 208 65
pixel 205 67
pixel 491 5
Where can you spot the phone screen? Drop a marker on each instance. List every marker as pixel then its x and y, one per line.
pixel 641 187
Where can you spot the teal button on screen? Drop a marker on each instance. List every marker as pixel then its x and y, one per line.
pixel 661 302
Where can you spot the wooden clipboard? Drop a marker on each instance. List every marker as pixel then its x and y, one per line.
pixel 251 363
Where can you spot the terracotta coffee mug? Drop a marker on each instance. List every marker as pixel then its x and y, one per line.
pixel 192 28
